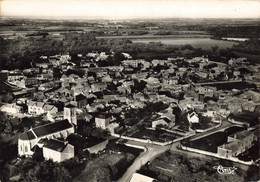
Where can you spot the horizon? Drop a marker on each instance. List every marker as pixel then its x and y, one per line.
pixel 131 9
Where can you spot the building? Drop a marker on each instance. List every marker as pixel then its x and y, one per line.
pixel 81 100
pixel 70 114
pixel 193 117
pixel 97 147
pixel 136 177
pixel 236 144
pixel 57 150
pixel 28 140
pixel 102 121
pixel 36 108
pixel 161 121
pixel 91 144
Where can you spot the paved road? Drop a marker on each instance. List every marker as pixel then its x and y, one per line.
pixel 151 152
pixel 224 125
pixel 155 150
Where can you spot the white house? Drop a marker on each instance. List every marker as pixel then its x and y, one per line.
pixel 102 121
pixel 193 117
pixel 57 150
pixel 36 108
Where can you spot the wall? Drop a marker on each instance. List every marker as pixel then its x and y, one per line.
pixel 234 159
pixel 51 154
pixel 99 147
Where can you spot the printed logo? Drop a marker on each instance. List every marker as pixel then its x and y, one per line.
pixel 225 170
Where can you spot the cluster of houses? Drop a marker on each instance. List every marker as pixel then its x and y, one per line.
pixel 98 94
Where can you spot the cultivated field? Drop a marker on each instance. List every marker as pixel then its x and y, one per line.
pixel 204 43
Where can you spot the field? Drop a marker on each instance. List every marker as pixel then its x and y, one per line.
pixel 204 43
pixel 210 143
pixel 96 167
pixel 177 166
pixel 252 58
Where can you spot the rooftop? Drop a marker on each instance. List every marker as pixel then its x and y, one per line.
pixel 56 145
pixel 241 135
pixel 46 130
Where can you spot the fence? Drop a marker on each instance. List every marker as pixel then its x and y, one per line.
pixel 234 159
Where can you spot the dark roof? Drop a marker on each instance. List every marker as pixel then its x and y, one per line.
pixel 27 136
pixel 56 145
pixel 80 97
pixel 83 143
pixel 103 115
pixel 52 128
pixel 70 106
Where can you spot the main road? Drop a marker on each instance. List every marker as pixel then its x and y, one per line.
pixel 153 151
pixel 150 153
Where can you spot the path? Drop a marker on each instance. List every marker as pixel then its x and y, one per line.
pixel 151 152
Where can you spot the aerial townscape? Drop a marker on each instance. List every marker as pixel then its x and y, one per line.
pixel 129 100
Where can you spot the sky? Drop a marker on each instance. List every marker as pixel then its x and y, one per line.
pixel 131 9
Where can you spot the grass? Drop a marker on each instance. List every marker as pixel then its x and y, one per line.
pixel 176 166
pixel 204 43
pixel 252 58
pixel 246 117
pixel 88 174
pixel 210 143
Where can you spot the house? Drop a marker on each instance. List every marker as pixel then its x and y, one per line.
pixel 94 149
pixel 50 109
pixel 45 76
pixel 170 81
pixel 136 177
pixel 57 150
pixel 14 77
pixel 162 121
pixel 31 81
pixel 20 94
pixel 152 87
pixel 102 121
pixel 97 87
pixel 36 108
pixel 81 100
pixel 11 108
pixel 91 144
pixel 65 81
pixel 193 117
pixel 29 139
pixel 236 144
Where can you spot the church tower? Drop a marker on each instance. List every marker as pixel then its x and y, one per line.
pixel 70 114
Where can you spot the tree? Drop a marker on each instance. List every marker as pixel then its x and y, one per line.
pixel 103 174
pixel 118 58
pixel 61 173
pixel 214 49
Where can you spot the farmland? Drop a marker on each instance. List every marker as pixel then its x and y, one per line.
pixel 105 167
pixel 204 43
pixel 176 166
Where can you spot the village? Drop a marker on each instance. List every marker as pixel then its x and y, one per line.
pixel 74 108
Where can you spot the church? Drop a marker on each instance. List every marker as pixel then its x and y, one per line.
pixel 29 140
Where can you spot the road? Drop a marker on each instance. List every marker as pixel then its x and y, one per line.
pixel 155 150
pixel 151 152
pixel 224 125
